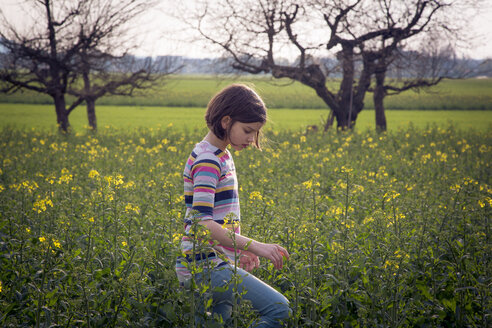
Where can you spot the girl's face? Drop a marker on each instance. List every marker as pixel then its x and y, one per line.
pixel 243 134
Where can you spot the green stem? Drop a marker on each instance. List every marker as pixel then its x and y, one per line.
pixel 41 290
pixel 87 313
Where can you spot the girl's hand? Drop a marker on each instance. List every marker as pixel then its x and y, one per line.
pixel 248 261
pixel 273 252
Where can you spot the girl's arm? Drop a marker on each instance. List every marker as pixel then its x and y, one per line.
pixel 273 252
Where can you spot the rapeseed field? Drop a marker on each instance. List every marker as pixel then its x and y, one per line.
pixel 387 230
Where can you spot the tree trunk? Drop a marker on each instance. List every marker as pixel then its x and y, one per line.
pixel 61 112
pixel 342 120
pixel 346 92
pixel 335 112
pixel 378 98
pixel 90 101
pixel 329 120
pixel 91 113
pixel 364 81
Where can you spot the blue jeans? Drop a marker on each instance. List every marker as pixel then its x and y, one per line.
pixel 271 306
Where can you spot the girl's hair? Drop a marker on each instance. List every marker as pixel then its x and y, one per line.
pixel 241 104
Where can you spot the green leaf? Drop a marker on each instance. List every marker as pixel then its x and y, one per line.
pixel 450 304
pixel 424 289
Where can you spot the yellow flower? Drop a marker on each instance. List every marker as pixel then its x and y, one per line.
pixel 124 244
pixel 91 219
pixel 50 179
pixel 348 224
pixel 41 204
pixel 308 184
pixel 177 237
pixel 129 207
pixel 255 195
pixel 455 187
pixel 93 174
pixel 336 247
pixel 28 230
pixel 334 210
pixel 357 188
pixel 42 239
pixel 0 286
pixel 108 179
pixel 119 180
pixel 56 243
pixel 341 184
pixel 65 178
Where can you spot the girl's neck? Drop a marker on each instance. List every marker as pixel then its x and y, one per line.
pixel 212 139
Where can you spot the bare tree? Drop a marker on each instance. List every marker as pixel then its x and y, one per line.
pixel 41 61
pixel 362 34
pixel 71 41
pixel 106 74
pixel 103 28
pixel 422 70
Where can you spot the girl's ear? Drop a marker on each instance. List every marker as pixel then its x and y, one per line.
pixel 225 121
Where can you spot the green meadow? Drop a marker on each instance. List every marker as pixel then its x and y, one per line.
pixel 181 100
pixel 196 91
pixel 27 116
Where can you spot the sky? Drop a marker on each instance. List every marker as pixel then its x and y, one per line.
pixel 482 28
pixel 161 34
pixel 172 41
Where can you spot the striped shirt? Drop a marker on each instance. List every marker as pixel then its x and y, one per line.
pixel 211 193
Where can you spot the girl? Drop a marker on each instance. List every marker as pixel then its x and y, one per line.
pixel 234 117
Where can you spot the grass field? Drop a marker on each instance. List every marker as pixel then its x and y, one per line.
pixel 185 91
pixel 184 118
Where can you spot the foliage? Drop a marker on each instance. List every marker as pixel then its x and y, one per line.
pixel 383 230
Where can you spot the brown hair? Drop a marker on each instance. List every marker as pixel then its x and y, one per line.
pixel 241 104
